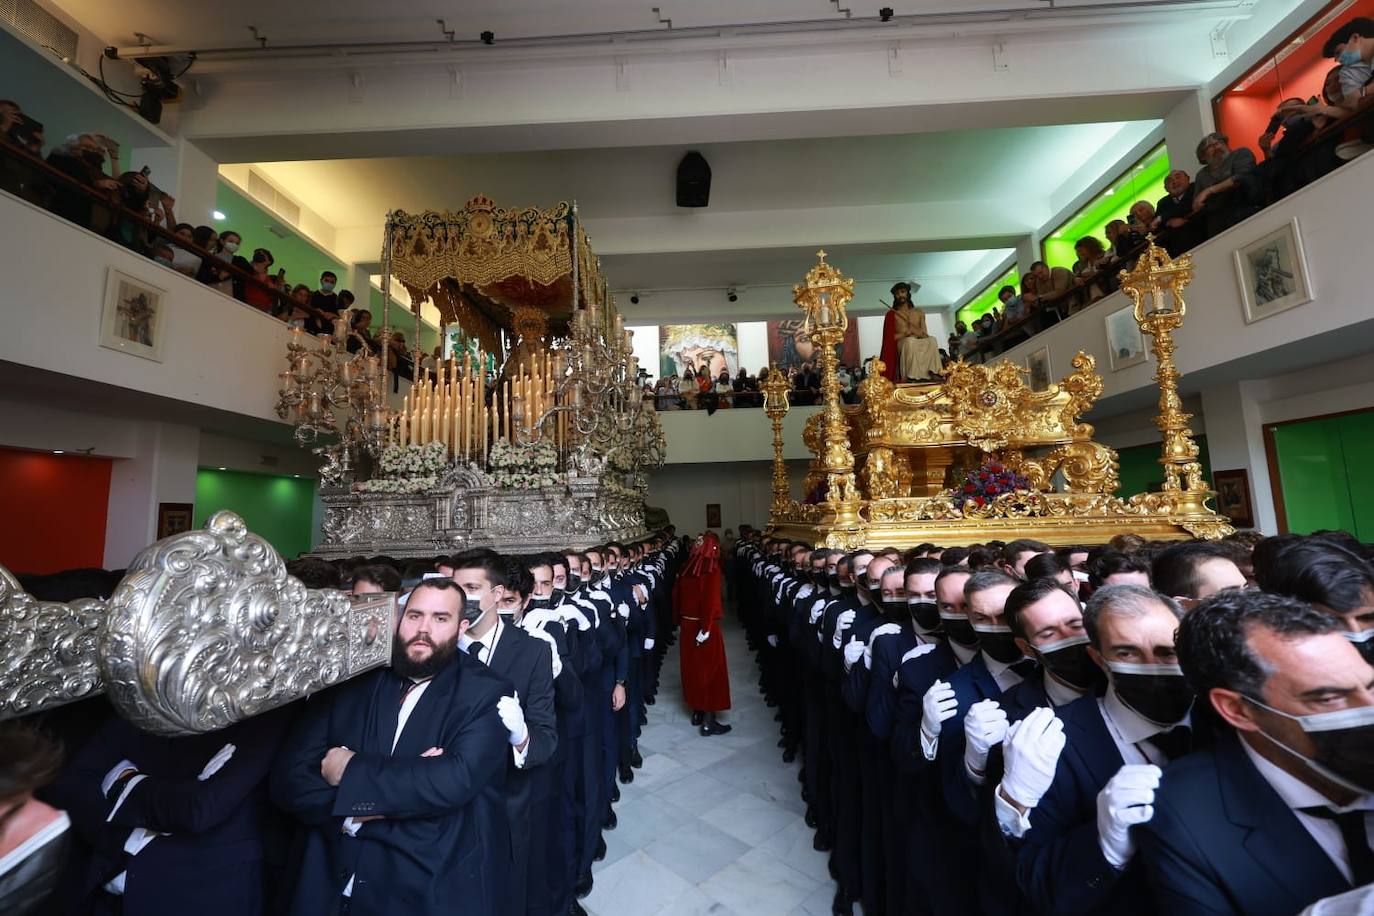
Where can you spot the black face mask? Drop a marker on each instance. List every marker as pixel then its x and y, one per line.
pixel 1156 691
pixel 925 613
pixel 894 609
pixel 849 588
pixel 93 158
pixel 1344 741
pixel 1364 642
pixel 557 597
pixel 539 604
pixel 1068 660
pixel 959 630
pixel 998 642
pixel 472 609
pixel 574 583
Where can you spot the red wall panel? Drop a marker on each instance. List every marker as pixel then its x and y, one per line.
pixel 53 514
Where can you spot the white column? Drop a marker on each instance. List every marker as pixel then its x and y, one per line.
pixel 162 469
pixel 1186 124
pixel 1235 439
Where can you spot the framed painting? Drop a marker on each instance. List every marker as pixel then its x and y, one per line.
pixel 132 318
pixel 1233 497
pixel 1125 343
pixel 1272 272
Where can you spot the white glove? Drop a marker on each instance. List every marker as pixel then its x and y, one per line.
pixel 623 610
pixel 916 652
pixel 513 718
pixel 937 705
pixel 1127 799
pixel 842 623
pixel 648 644
pixel 805 590
pixel 772 640
pixel 887 629
pixel 702 636
pixel 1030 753
pixel 571 614
pixel 817 609
pixel 853 651
pixel 984 726
pixel 217 762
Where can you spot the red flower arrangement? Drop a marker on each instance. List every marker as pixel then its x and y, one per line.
pixel 986 482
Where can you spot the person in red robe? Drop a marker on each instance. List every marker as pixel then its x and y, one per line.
pixel 888 353
pixel 697 610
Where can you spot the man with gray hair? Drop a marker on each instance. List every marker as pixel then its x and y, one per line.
pixel 1070 798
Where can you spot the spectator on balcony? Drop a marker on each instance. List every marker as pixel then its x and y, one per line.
pixel 968 337
pixel 723 392
pixel 184 260
pixel 213 271
pixel 25 134
pixel 1294 159
pixel 1092 258
pixel 296 311
pixel 744 388
pixel 324 300
pixel 1352 46
pixel 1051 282
pixel 345 300
pixel 134 194
pixel 162 253
pixel 1225 185
pixel 259 294
pixel 399 357
pixel 10 113
pixel 82 158
pixel 360 335
pixel 1014 305
pixel 675 393
pixel 1174 213
pixel 1143 218
pixel 1124 241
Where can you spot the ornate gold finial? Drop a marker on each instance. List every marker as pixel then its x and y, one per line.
pixel 1160 279
pixel 775 405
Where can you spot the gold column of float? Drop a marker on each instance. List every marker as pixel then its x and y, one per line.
pixel 823 297
pixel 1155 288
pixel 775 405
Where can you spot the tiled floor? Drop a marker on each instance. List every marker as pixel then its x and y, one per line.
pixel 711 825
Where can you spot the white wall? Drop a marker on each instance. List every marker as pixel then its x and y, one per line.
pixel 744 491
pixel 731 435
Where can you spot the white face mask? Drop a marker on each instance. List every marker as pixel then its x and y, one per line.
pixel 231 247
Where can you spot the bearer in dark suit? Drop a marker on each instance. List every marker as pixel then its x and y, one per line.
pixel 531 723
pixel 1279 812
pixel 173 825
pixel 1077 852
pixel 401 775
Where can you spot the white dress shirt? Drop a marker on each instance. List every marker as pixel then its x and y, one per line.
pixel 1297 794
pixel 1001 673
pixel 489 642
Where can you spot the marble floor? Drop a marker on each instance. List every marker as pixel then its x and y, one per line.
pixel 711 825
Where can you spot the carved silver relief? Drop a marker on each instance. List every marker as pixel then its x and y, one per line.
pixel 47 650
pixel 208 629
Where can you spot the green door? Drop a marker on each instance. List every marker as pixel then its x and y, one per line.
pixel 1324 468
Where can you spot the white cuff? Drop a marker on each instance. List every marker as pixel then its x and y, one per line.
pixel 974 776
pixel 128 787
pixel 1110 855
pixel 929 746
pixel 351 827
pixel 1011 821
pixel 139 838
pixel 111 776
pixel 520 755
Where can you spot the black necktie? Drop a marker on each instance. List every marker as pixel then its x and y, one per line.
pixel 406 688
pixel 1174 743
pixel 475 650
pixel 1356 837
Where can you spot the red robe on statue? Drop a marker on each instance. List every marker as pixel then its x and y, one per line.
pixel 888 354
pixel 697 609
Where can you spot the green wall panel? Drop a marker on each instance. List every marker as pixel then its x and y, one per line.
pixel 1323 470
pixel 1140 471
pixel 302 259
pixel 982 303
pixel 276 508
pixel 1142 181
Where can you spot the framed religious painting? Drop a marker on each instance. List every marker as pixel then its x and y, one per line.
pixel 1233 497
pixel 1272 272
pixel 713 515
pixel 132 318
pixel 1125 343
pixel 173 518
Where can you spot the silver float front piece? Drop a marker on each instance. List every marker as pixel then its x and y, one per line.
pixel 207 629
pixel 47 650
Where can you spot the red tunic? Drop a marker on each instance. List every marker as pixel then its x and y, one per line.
pixel 888 354
pixel 697 608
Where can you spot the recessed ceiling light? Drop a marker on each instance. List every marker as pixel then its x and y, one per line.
pixel 58 451
pixel 224 469
pixel 219 215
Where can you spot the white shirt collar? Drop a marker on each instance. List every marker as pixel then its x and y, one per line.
pixel 1059 694
pixel 963 654
pixel 1295 793
pixel 1131 725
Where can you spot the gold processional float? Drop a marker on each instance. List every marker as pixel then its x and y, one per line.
pixel 881 472
pixel 208 628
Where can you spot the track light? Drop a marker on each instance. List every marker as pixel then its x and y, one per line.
pixel 488 37
pixel 885 14
pixel 634 298
pixel 732 294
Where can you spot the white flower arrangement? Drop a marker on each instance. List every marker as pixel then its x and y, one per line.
pixel 524 467
pixel 408 469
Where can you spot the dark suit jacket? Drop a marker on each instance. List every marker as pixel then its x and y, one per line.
pixel 914 678
pixel 444 837
pixel 1060 865
pixel 211 861
pixel 1222 841
pixel 972 683
pixel 881 711
pixel 854 687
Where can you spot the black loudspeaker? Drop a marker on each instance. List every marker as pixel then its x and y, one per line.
pixel 693 181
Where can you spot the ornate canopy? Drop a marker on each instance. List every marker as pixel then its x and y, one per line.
pixel 487 268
